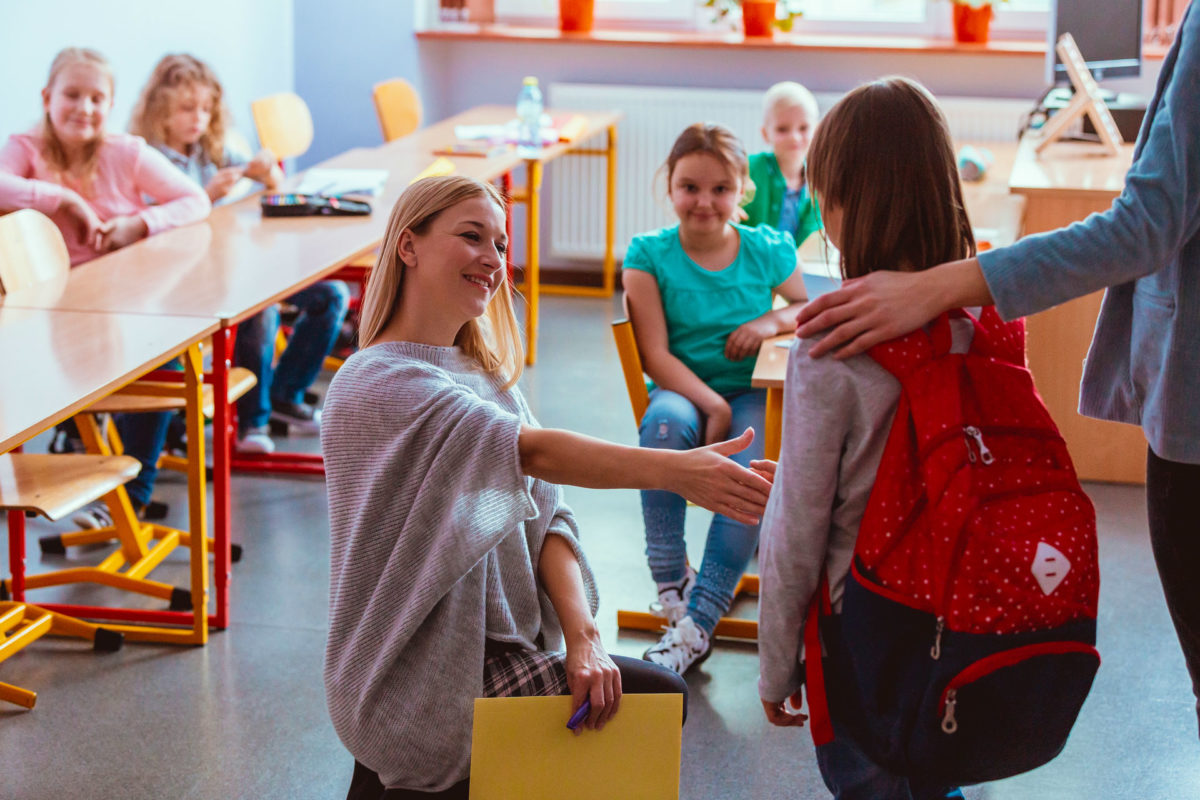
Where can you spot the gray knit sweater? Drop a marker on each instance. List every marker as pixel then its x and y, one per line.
pixel 436 536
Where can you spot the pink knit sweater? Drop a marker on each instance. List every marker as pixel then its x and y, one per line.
pixel 129 171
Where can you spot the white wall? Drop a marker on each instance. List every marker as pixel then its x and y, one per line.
pixel 249 44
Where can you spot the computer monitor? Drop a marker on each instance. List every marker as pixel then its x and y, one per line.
pixel 1109 35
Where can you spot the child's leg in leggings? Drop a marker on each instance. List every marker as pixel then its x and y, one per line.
pixel 671 422
pixel 850 774
pixel 730 543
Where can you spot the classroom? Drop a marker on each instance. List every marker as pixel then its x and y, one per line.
pixel 262 474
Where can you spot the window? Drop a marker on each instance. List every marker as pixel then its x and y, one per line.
pixel 1025 19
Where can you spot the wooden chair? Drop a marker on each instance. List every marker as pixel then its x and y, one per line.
pixel 639 399
pixel 52 486
pixel 398 107
pixel 32 250
pixel 285 127
pixel 284 124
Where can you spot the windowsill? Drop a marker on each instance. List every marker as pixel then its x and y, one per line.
pixel 806 41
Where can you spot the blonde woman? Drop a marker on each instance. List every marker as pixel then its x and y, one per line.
pixel 457 570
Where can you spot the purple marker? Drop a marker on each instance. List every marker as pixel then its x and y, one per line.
pixel 580 714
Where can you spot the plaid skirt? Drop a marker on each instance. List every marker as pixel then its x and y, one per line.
pixel 509 671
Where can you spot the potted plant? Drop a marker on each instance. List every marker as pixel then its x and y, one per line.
pixel 973 20
pixel 576 16
pixel 759 17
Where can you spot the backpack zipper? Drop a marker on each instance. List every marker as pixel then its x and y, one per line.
pixel 976 435
pixel 997 661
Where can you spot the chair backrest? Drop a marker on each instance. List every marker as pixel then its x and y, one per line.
pixel 32 250
pixel 398 108
pixel 284 124
pixel 631 366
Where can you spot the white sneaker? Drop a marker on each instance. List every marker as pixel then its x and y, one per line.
pixel 682 647
pixel 673 597
pixel 93 516
pixel 255 440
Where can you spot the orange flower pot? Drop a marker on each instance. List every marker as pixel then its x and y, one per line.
pixel 576 16
pixel 758 17
pixel 972 23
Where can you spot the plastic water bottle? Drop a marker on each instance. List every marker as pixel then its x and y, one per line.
pixel 529 115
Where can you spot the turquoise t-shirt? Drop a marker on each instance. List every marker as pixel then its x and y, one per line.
pixel 703 307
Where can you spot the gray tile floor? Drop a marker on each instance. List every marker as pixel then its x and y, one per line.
pixel 244 717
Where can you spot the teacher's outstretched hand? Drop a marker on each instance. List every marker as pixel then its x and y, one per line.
pixel 886 304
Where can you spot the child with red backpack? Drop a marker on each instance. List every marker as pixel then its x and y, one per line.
pixel 928 559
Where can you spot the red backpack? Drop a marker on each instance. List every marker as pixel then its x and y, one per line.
pixel 966 643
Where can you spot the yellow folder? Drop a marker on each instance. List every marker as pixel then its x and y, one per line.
pixel 521 748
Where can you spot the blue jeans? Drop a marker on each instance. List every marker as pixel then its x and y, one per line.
pixel 143 437
pixel 850 774
pixel 322 309
pixel 672 422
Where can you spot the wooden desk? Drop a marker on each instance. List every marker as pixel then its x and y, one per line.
pixel 61 362
pixel 1070 181
pixel 596 122
pixel 769 372
pixel 57 363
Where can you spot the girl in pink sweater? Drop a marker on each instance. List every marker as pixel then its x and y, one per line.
pixel 91 183
pixel 94 186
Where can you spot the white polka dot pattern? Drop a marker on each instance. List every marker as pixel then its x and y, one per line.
pixel 974 477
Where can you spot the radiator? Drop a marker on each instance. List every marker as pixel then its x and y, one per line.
pixel 654 116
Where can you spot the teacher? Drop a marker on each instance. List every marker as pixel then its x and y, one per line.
pixel 457 570
pixel 1143 366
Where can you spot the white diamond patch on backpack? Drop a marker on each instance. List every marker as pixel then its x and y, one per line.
pixel 1049 567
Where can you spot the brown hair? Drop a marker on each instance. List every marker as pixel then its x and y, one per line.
pixel 494 340
pixel 52 147
pixel 172 76
pixel 716 140
pixel 883 156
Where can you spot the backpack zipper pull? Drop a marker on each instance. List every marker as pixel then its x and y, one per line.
pixel 949 724
pixel 935 652
pixel 985 455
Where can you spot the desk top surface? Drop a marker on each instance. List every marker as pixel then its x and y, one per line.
pixel 58 362
pixel 236 263
pixel 1081 168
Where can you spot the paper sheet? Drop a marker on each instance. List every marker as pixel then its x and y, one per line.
pixel 521 748
pixel 342 181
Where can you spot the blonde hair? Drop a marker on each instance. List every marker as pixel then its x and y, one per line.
pixel 493 340
pixel 52 147
pixel 789 94
pixel 172 76
pixel 900 197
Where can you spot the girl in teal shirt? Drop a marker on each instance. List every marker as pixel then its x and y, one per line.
pixel 700 296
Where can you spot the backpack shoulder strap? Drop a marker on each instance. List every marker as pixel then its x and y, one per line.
pixel 904 354
pixel 820 724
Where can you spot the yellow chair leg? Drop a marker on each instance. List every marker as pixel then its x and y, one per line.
pixel 17 696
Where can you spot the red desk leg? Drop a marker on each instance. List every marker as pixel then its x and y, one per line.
pixel 220 479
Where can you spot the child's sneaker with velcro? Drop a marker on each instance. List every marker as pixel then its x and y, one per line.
pixel 673 597
pixel 682 647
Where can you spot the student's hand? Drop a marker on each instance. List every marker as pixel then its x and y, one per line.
pixel 740 215
pixel 593 676
pixel 123 231
pixel 780 716
pixel 222 182
pixel 716 420
pixel 90 226
pixel 765 467
pixel 748 337
pixel 259 168
pixel 709 478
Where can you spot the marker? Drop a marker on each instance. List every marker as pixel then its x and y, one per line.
pixel 580 714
